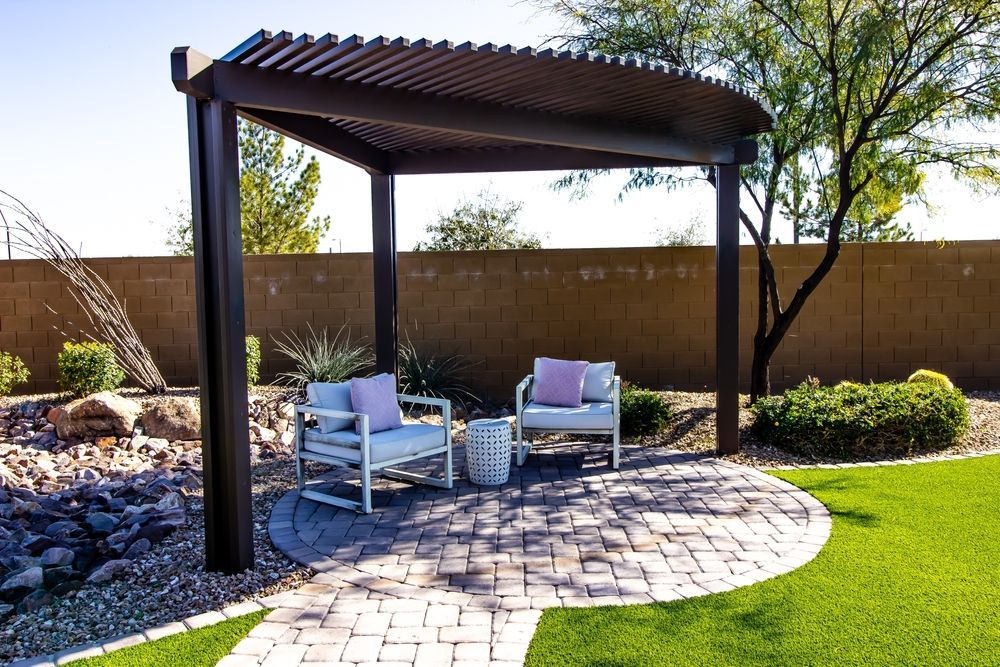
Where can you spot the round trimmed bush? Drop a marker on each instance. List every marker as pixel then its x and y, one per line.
pixel 852 421
pixel 643 412
pixel 89 367
pixel 931 377
pixel 12 372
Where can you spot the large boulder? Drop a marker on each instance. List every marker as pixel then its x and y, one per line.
pixel 104 413
pixel 174 418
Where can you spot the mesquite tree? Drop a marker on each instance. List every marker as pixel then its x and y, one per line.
pixel 27 233
pixel 488 223
pixel 867 94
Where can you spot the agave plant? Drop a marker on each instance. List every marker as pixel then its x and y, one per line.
pixel 438 376
pixel 320 359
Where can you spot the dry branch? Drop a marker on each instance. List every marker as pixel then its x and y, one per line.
pixel 107 315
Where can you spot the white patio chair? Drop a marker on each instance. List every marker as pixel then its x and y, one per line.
pixel 370 452
pixel 598 415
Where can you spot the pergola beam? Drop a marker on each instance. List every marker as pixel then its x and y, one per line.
pixel 252 88
pixel 323 136
pixel 521 158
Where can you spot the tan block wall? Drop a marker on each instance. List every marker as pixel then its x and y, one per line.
pixel 885 310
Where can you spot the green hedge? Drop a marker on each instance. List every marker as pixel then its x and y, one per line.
pixel 852 420
pixel 88 367
pixel 643 412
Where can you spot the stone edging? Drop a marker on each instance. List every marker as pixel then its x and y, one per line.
pixel 892 462
pixel 107 646
pixel 282 533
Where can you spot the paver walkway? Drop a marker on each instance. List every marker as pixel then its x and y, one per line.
pixel 437 577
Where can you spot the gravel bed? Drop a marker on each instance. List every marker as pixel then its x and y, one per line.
pixel 167 584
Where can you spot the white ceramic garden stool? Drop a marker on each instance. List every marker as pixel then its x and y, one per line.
pixel 488 451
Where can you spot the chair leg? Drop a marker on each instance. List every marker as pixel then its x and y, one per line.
pixel 300 473
pixel 366 488
pixel 448 477
pixel 615 450
pixel 523 449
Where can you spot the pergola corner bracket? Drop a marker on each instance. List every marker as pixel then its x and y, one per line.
pixel 191 72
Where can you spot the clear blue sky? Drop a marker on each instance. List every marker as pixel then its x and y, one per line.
pixel 94 136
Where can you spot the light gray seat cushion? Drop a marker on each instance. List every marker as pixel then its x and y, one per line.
pixel 411 440
pixel 597 416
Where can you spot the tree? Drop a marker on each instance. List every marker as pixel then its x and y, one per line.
pixel 687 235
pixel 277 194
pixel 867 94
pixel 489 223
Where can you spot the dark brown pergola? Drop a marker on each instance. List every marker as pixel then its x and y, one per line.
pixel 400 107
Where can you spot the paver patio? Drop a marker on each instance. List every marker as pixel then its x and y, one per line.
pixel 460 577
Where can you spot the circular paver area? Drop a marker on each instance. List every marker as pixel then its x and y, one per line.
pixel 565 530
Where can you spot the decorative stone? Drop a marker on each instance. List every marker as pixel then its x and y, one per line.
pixel 28 579
pixel 34 601
pixel 57 557
pixel 104 413
pixel 108 571
pixel 138 548
pixel 101 522
pixel 174 418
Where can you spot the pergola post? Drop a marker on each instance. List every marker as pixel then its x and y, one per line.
pixel 222 369
pixel 727 309
pixel 384 268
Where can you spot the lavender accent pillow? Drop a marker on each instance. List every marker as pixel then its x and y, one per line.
pixel 559 382
pixel 376 397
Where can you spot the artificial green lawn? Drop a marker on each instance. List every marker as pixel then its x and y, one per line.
pixel 909 576
pixel 204 646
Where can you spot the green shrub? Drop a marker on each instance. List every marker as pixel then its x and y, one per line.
pixel 931 377
pixel 12 372
pixel 423 373
pixel 88 367
pixel 862 420
pixel 319 359
pixel 253 360
pixel 643 412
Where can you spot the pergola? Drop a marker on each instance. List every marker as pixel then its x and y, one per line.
pixel 397 107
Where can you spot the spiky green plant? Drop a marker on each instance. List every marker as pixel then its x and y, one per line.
pixel 318 358
pixel 423 373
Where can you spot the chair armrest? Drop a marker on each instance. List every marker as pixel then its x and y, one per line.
pixel 442 403
pixel 519 393
pixel 616 394
pixel 327 412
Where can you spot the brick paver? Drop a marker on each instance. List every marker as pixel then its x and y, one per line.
pixel 460 577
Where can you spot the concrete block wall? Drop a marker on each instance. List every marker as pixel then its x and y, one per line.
pixel 885 310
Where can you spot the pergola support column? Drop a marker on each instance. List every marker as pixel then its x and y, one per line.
pixel 384 268
pixel 727 309
pixel 218 257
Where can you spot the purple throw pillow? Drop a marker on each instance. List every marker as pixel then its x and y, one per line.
pixel 560 382
pixel 376 397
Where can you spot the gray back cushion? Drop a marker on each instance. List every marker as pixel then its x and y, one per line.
pixel 333 396
pixel 598 381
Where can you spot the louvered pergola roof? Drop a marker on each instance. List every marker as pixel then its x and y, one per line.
pixel 402 107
